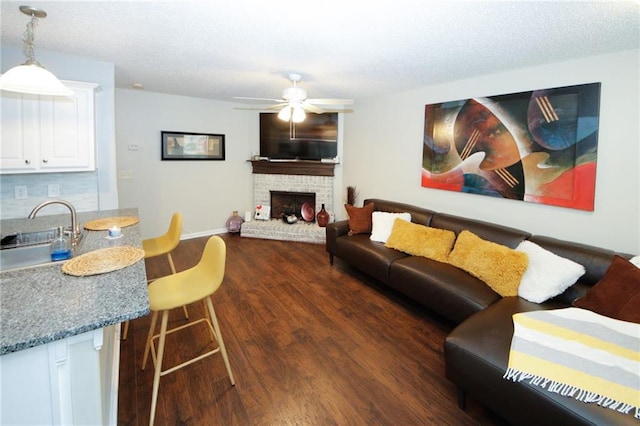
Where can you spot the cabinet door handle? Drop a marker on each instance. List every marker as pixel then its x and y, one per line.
pixel 44 160
pixel 27 162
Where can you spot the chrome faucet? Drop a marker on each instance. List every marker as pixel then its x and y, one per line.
pixel 75 228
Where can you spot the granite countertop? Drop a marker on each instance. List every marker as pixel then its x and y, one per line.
pixel 42 304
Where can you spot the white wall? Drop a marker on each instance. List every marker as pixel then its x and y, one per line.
pixel 205 192
pixel 84 187
pixel 383 152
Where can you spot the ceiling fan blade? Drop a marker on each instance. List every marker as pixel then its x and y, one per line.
pixel 246 98
pixel 276 106
pixel 326 101
pixel 264 107
pixel 337 110
pixel 312 108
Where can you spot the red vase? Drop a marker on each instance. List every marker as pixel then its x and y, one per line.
pixel 322 217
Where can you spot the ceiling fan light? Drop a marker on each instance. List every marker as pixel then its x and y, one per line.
pixel 33 79
pixel 285 113
pixel 298 115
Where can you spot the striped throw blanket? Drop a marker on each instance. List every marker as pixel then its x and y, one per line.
pixel 579 354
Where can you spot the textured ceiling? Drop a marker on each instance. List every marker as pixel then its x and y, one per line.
pixel 345 49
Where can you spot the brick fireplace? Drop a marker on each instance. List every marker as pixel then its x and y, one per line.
pixel 267 180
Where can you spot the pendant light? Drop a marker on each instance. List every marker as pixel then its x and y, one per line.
pixel 31 77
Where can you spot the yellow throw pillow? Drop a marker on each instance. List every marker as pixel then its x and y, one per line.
pixel 500 267
pixel 420 240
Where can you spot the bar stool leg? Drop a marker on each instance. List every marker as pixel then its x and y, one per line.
pixel 223 350
pixel 125 331
pixel 152 329
pixel 158 367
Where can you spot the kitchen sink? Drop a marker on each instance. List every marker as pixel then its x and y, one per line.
pixel 22 257
pixel 24 239
pixel 26 249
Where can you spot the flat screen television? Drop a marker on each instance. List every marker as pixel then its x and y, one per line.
pixel 316 138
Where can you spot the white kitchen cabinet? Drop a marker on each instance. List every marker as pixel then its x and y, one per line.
pixel 49 133
pixel 73 381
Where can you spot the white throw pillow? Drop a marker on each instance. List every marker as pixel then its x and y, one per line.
pixel 635 260
pixel 547 275
pixel 382 224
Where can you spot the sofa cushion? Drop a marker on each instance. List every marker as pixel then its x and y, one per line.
pixel 497 265
pixel 420 240
pixel 441 287
pixel 547 275
pixel 359 218
pixel 371 257
pixel 382 224
pixel 617 294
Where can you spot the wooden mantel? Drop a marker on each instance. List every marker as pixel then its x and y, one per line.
pixel 293 167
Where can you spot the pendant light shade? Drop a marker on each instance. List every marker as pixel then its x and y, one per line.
pixel 31 77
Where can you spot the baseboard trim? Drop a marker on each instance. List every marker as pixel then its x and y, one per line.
pixel 203 233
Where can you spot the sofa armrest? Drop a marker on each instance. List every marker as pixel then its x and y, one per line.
pixel 333 231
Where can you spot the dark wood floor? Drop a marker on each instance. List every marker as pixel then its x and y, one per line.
pixel 309 344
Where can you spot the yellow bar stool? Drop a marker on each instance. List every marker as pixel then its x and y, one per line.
pixel 188 286
pixel 158 246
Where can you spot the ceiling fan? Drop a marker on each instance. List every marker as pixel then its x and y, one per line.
pixel 294 102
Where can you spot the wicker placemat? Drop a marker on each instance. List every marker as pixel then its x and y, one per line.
pixel 102 261
pixel 107 222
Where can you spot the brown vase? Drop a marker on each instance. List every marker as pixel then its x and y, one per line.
pixel 322 217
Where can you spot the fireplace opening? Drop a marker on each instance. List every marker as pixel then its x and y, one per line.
pixel 301 204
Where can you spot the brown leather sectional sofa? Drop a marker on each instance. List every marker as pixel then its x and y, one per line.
pixel 477 350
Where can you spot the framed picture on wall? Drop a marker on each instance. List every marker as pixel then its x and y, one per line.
pixel 192 146
pixel 538 146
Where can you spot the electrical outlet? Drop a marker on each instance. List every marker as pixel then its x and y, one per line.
pixel 133 147
pixel 21 192
pixel 125 175
pixel 53 190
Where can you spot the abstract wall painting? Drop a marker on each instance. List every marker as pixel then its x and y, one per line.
pixel 538 146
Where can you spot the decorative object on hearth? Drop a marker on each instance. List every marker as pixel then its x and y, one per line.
pixel 31 77
pixel 322 217
pixel 289 218
pixel 308 212
pixel 234 223
pixel 294 102
pixel 538 146
pixel 263 212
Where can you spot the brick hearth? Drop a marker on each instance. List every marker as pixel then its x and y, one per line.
pixel 276 229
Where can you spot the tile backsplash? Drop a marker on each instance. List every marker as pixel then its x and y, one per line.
pixel 80 189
